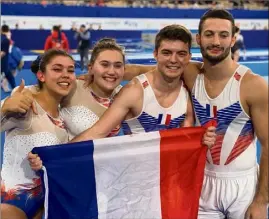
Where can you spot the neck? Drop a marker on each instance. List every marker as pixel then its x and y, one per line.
pixel 99 92
pixel 223 69
pixel 48 102
pixel 164 84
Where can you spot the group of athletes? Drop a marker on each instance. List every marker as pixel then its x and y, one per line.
pixel 63 109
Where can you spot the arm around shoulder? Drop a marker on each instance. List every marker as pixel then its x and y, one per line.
pixel 123 104
pixel 133 70
pixel 191 72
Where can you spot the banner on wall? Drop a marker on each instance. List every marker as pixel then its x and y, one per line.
pixel 36 22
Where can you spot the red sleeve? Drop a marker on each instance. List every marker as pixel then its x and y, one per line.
pixel 66 45
pixel 48 43
pixel 65 42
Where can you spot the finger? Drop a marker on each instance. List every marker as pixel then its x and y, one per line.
pixel 36 168
pixel 36 163
pixel 211 129
pixel 33 106
pixel 31 155
pixel 27 94
pixel 26 102
pixel 21 110
pixel 24 106
pixel 209 138
pixel 35 160
pixel 210 134
pixel 209 144
pixel 21 87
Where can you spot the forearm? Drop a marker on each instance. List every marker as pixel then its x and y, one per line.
pixel 82 137
pixel 133 70
pixel 262 187
pixel 87 135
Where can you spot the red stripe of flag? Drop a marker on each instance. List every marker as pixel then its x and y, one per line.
pixel 182 156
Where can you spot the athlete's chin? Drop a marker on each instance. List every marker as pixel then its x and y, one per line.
pixel 61 93
pixel 173 75
pixel 111 85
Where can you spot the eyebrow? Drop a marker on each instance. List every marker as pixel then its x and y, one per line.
pixel 222 31
pixel 60 65
pixel 179 51
pixel 112 62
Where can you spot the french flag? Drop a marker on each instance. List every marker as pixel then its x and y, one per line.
pixel 164 119
pixel 148 175
pixel 211 111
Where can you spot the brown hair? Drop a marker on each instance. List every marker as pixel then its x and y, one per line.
pixel 217 13
pixel 173 32
pixel 105 44
pixel 43 60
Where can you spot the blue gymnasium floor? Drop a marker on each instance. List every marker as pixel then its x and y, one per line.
pixel 257 60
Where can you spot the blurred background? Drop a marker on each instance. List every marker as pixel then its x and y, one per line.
pixel 134 23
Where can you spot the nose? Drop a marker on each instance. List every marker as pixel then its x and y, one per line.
pixel 173 58
pixel 65 73
pixel 111 70
pixel 216 40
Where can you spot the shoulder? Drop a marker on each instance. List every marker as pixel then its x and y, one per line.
pixel 131 91
pixel 80 83
pixel 252 80
pixel 254 87
pixel 191 72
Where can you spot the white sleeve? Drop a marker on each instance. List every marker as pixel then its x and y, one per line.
pixel 16 120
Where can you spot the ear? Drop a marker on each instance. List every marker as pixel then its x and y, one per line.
pixel 190 55
pixel 155 54
pixel 40 76
pixel 233 40
pixel 198 39
pixel 90 69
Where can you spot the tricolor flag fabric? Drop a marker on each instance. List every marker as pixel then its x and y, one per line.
pixel 211 111
pixel 148 175
pixel 164 119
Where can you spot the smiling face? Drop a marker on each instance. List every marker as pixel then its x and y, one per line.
pixel 216 39
pixel 108 70
pixel 59 76
pixel 172 57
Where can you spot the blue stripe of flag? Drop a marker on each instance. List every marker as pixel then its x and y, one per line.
pixel 71 169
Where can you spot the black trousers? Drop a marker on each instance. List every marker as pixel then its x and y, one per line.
pixel 84 58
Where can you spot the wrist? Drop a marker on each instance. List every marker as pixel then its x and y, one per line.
pixel 259 199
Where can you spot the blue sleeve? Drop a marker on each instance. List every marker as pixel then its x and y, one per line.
pixel 15 57
pixel 5 45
